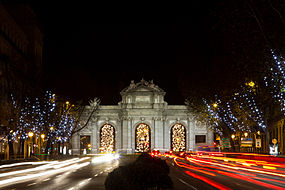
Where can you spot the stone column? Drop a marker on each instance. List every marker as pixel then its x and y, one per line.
pixel 124 136
pixel 75 144
pixel 191 135
pixel 210 136
pixel 163 127
pixel 129 137
pixel 95 140
pixel 159 132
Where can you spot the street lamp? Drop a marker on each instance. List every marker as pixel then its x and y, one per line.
pixel 215 105
pixel 43 136
pixel 233 136
pixel 245 134
pixel 30 134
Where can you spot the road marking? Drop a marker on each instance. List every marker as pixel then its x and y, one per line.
pixel 101 172
pixel 46 179
pixel 31 184
pixel 59 176
pixel 82 183
pixel 186 183
pixel 96 175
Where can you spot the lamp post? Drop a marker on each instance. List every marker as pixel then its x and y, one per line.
pixel 30 134
pixel 233 139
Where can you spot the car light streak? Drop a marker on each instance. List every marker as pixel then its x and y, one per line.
pixel 266 179
pixel 210 182
pixel 105 158
pixel 251 180
pixel 180 164
pixel 239 168
pixel 52 164
pixel 23 163
pixel 222 168
pixel 32 176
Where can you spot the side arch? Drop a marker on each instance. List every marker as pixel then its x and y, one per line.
pixel 107 138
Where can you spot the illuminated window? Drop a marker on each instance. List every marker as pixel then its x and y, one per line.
pixel 107 138
pixel 178 138
pixel 142 138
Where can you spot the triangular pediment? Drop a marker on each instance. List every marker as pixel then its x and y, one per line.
pixel 143 89
pixel 142 86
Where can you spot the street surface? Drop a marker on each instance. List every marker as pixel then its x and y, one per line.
pixel 193 172
pixel 79 173
pixel 211 172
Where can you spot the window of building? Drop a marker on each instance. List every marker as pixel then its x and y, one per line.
pixel 200 138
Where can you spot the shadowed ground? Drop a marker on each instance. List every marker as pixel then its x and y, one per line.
pixel 146 172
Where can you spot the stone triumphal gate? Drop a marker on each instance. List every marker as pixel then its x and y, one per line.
pixel 142 121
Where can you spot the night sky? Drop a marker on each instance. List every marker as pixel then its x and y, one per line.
pixel 87 54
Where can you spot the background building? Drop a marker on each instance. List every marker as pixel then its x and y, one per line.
pixel 21 44
pixel 142 121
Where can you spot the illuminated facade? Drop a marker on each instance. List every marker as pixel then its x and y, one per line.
pixel 143 121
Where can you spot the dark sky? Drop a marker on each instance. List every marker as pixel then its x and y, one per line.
pixel 90 55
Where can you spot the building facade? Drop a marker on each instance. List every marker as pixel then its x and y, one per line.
pixel 21 42
pixel 141 122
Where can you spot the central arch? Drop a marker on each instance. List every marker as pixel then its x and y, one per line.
pixel 142 138
pixel 107 139
pixel 178 137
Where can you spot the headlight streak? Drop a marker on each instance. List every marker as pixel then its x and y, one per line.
pixel 23 163
pixel 53 164
pixel 80 184
pixel 105 158
pixel 6 182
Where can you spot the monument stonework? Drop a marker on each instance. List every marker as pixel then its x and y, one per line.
pixel 141 122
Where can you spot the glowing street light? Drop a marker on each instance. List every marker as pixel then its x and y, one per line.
pixel 245 134
pixel 51 128
pixel 43 136
pixel 67 102
pixel 30 134
pixel 233 136
pixel 251 84
pixel 215 105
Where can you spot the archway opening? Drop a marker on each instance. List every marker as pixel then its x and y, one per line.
pixel 178 138
pixel 107 139
pixel 142 138
pixel 85 144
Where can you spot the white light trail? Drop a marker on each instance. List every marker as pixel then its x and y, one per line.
pixel 33 176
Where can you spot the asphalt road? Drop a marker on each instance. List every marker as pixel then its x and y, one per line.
pixel 205 173
pixel 83 174
pixel 195 173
